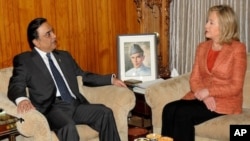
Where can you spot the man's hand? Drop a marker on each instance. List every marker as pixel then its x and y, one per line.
pixel 118 82
pixel 210 103
pixel 24 106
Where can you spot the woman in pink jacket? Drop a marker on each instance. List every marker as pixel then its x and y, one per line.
pixel 216 80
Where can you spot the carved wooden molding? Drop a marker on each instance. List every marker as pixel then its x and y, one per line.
pixel 138 10
pixel 151 3
pixel 154 16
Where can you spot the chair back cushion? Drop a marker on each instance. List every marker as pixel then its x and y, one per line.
pixel 5 75
pixel 246 87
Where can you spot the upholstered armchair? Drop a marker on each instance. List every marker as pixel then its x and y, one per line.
pixel 217 129
pixel 35 126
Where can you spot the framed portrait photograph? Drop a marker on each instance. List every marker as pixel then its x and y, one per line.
pixel 137 57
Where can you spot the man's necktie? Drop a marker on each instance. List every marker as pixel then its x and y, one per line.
pixel 65 94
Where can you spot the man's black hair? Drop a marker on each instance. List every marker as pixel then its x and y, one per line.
pixel 32 30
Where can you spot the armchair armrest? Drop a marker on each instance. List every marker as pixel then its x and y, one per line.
pixel 34 124
pixel 158 95
pixel 109 95
pixel 8 106
pixel 121 100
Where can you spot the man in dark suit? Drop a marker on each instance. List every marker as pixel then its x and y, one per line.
pixel 59 100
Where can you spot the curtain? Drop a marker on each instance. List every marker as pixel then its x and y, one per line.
pixel 187 27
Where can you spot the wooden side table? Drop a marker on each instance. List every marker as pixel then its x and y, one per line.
pixel 8 126
pixel 142 110
pixel 11 134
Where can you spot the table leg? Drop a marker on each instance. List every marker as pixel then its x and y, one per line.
pixel 12 137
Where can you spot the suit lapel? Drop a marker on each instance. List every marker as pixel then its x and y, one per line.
pixel 206 47
pixel 38 61
pixel 224 54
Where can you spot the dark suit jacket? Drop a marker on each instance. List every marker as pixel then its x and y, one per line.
pixel 30 71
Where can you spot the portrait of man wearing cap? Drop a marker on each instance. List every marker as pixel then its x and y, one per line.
pixel 136 55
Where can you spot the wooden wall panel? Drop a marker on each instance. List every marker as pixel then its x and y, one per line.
pixel 86 28
pixel 154 16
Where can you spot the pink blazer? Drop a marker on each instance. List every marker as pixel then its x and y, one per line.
pixel 226 79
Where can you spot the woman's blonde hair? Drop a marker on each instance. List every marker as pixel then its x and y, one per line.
pixel 227 23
